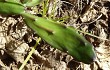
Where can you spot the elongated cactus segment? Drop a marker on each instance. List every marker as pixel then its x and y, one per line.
pixel 13 1
pixel 62 37
pixel 11 8
pixel 3 0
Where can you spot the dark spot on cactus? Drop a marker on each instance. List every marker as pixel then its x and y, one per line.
pixel 46 29
pixel 81 42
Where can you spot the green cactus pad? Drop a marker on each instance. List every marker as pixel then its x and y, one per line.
pixel 62 37
pixel 11 8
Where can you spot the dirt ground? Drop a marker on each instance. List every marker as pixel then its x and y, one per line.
pixel 90 16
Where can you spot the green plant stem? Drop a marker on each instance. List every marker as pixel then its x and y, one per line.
pixel 30 53
pixel 45 7
pixel 93 35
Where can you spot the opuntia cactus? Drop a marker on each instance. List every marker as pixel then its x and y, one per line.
pixel 10 8
pixel 59 36
pixel 62 37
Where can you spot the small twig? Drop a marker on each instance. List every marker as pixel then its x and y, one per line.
pixel 67 2
pixel 30 53
pixel 93 20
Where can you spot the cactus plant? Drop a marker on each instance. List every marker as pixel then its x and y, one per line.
pixel 62 37
pixel 59 36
